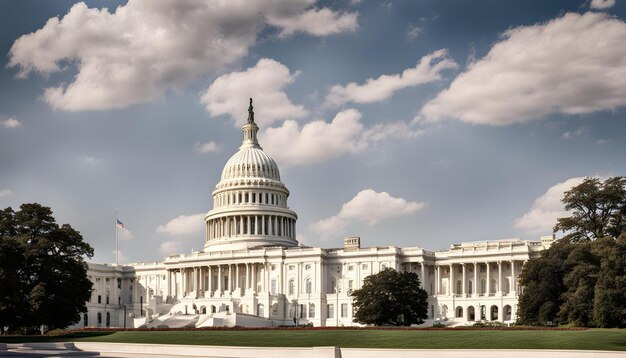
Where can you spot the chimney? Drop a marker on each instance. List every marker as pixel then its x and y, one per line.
pixel 352 242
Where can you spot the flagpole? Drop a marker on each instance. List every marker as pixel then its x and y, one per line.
pixel 116 249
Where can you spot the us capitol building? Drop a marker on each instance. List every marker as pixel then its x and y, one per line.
pixel 253 272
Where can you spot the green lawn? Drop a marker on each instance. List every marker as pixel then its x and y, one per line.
pixel 593 339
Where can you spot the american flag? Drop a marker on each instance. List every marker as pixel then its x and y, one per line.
pixel 119 223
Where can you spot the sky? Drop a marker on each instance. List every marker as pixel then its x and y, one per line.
pixel 407 123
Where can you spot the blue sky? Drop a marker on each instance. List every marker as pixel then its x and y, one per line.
pixel 408 123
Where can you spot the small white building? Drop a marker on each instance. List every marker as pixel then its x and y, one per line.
pixel 252 272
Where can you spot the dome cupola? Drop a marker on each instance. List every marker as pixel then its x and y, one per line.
pixel 250 202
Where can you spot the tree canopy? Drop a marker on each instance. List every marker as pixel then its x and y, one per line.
pixel 391 298
pixel 43 274
pixel 581 279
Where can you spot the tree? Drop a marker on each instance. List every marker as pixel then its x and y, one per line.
pixel 391 297
pixel 43 274
pixel 581 279
pixel 598 210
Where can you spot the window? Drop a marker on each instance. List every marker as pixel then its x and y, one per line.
pixel 273 290
pixel 99 319
pixel 459 286
pixel 365 267
pixel 97 279
pixel 119 283
pixel 107 279
pixel 291 287
pixel 307 285
pixel 311 310
pixel 344 310
pixel 333 286
pixel 470 289
pixel 350 286
pixel 350 268
pixel 384 266
pixel 307 267
pixel 274 308
pixel 99 299
pixel 302 311
pixel 482 268
pixel 273 267
pixel 108 319
pixel 330 308
pixel 291 267
pixel 107 300
pixel 483 286
pixel 260 310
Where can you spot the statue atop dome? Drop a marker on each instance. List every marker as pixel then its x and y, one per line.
pixel 250 113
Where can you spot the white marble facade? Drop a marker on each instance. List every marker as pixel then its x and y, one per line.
pixel 252 270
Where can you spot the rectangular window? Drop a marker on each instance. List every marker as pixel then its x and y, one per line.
pixel 344 310
pixel 365 267
pixel 350 268
pixel 291 267
pixel 273 287
pixel 331 310
pixel 107 300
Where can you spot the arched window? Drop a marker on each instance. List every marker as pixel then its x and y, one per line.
pixel 507 313
pixel 471 314
pixel 213 309
pixel 311 310
pixel 99 298
pixel 459 312
pixel 483 286
pixel 494 313
pixel 307 285
pixel 291 286
pixel 108 319
pixel 99 319
pixel 507 285
pixel 459 287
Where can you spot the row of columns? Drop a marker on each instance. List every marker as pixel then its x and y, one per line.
pixel 228 226
pixel 476 290
pixel 200 279
pixel 249 198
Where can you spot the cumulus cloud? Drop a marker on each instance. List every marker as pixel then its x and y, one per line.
pixel 318 141
pixel 122 258
pixel 542 215
pixel 5 193
pixel 379 89
pixel 264 82
pixel 11 123
pixel 124 234
pixel 170 247
pixel 602 4
pixel 88 160
pixel 574 64
pixel 208 147
pixel 367 206
pixel 144 48
pixel 183 226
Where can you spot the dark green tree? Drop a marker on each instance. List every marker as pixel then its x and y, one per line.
pixel 43 269
pixel 391 298
pixel 598 209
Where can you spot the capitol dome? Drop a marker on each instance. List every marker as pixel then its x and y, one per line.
pixel 250 202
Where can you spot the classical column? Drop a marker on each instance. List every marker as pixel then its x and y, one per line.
pixel 475 291
pixel 248 232
pixel 500 278
pixel 230 278
pixel 237 279
pixel 513 284
pixel 488 278
pixel 464 293
pixel 438 283
pixel 280 277
pixel 219 279
pixel 254 283
pixel 210 281
pixel 241 225
pixel 247 276
pixel 423 276
pixel 452 284
pixel 262 224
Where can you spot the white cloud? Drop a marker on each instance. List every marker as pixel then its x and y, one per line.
pixel 574 64
pixel 367 206
pixel 542 216
pixel 5 193
pixel 316 22
pixel 170 247
pixel 580 132
pixel 427 70
pixel 602 4
pixel 120 257
pixel 145 48
pixel 183 226
pixel 11 123
pixel 230 93
pixel 208 147
pixel 318 141
pixel 413 31
pixel 124 234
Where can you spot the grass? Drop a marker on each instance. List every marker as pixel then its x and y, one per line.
pixel 592 339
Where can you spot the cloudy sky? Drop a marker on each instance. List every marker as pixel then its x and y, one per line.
pixel 408 123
